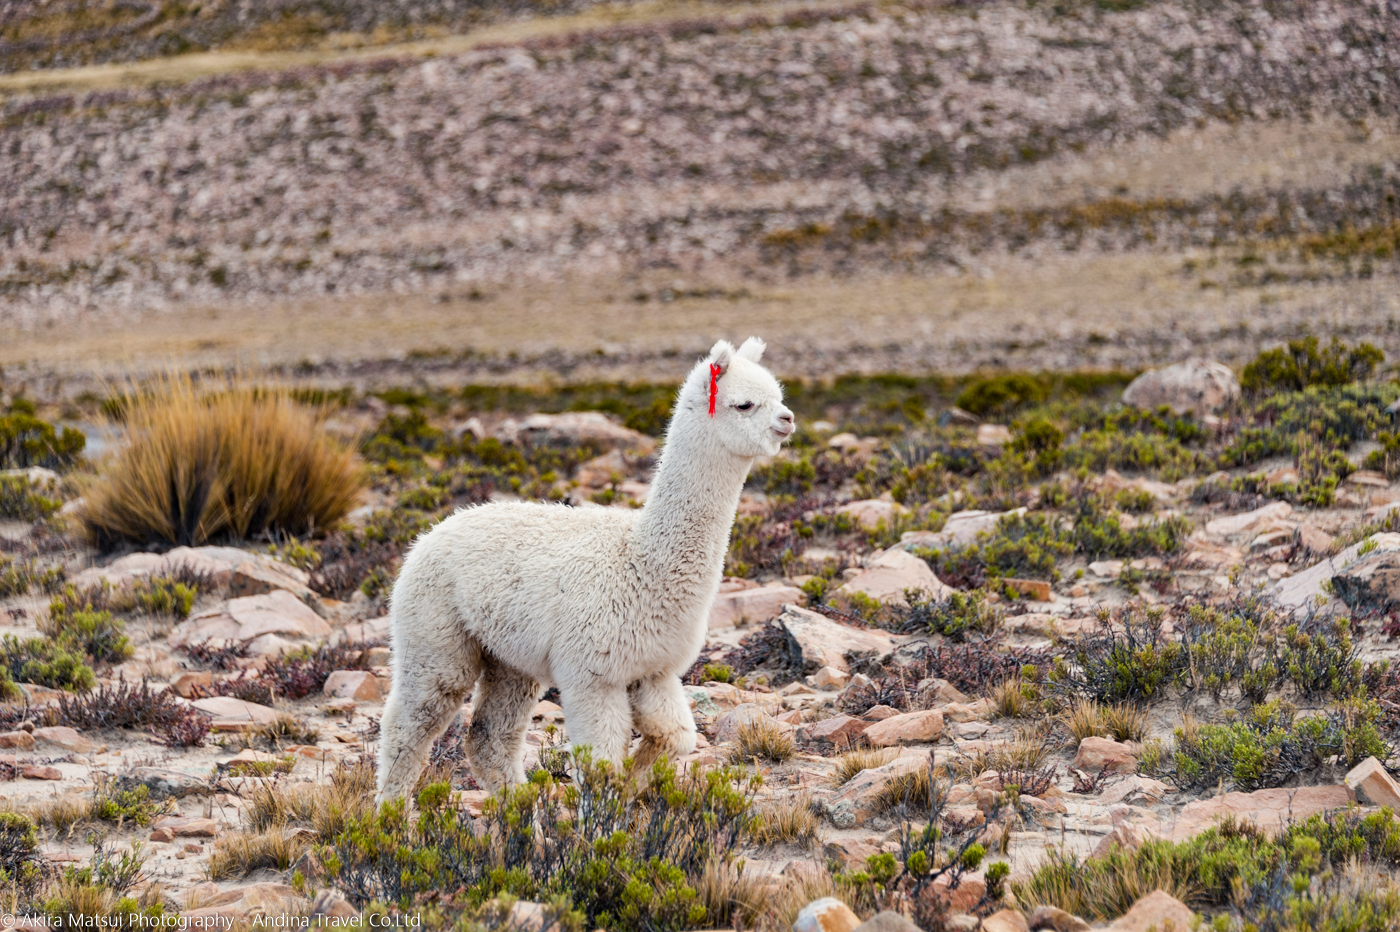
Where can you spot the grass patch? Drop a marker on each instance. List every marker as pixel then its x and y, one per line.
pixel 852 762
pixel 231 461
pixel 763 740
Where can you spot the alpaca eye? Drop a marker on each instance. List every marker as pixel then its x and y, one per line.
pixel 746 406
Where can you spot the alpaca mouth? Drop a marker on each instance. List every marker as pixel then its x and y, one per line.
pixel 784 434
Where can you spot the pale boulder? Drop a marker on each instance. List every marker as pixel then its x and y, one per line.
pixel 360 685
pixel 815 641
pixel 249 617
pixel 908 728
pixel 1197 387
pixel 826 915
pixel 1157 912
pixel 1270 517
pixel 1373 785
pixel 887 575
pixel 753 606
pixel 1096 754
pixel 870 513
pixel 1005 920
pixel 1271 810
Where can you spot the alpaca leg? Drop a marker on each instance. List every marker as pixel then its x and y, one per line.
pixel 500 714
pixel 429 688
pixel 597 716
pixel 661 712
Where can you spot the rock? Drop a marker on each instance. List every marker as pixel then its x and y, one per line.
pixel 993 435
pixel 1037 589
pixel 230 711
pixel 162 835
pixel 871 512
pixel 830 678
pixel 573 428
pixel 1373 785
pixel 858 799
pixel 1052 917
pixel 1371 584
pixel 826 915
pixel 840 730
pixel 960 529
pixel 1128 836
pixel 360 685
pixel 963 712
pixel 186 683
pixel 164 784
pixel 189 828
pixel 1157 912
pixel 1265 517
pixel 21 740
pixel 887 921
pixel 265 899
pixel 249 617
pixel 878 713
pixel 728 725
pixel 887 575
pixel 1096 754
pixel 602 471
pixel 1006 920
pixel 1303 591
pixel 1284 475
pixel 1134 789
pixel 1312 539
pixel 1197 387
pixel 64 737
pixel 376 629
pixel 966 895
pixel 1271 810
pixel 37 772
pixel 815 641
pixel 908 728
pixel 754 606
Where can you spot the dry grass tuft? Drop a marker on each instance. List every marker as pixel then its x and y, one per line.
pixel 913 789
pixel 764 740
pixel 228 461
pixel 787 820
pixel 1009 699
pixel 326 808
pixel 849 764
pixel 1121 721
pixel 236 856
pixel 1027 752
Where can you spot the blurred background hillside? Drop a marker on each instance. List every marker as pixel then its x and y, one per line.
pixel 501 189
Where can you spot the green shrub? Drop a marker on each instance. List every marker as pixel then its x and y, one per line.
pixel 18 577
pixel 43 662
pixel 955 617
pixel 21 860
pixel 76 625
pixel 1098 534
pixel 1387 458
pixel 624 861
pixel 1304 363
pixel 1002 394
pixel 19 501
pixel 1020 546
pixel 1269 745
pixel 1127 659
pixel 26 441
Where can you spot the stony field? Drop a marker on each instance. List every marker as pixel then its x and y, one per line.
pixel 901 187
pixel 997 650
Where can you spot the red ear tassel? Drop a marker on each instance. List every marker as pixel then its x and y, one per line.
pixel 715 372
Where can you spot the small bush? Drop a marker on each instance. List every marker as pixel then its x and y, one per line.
pixel 238 855
pixel 787 821
pixel 26 441
pixel 21 861
pixel 1003 394
pixel 19 501
pixel 234 461
pixel 1269 746
pixel 1028 546
pixel 1305 363
pixel 299 673
pixel 18 577
pixel 1127 659
pixel 623 862
pixel 123 705
pixel 75 623
pixel 45 663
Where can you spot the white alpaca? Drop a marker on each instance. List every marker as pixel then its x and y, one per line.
pixel 609 605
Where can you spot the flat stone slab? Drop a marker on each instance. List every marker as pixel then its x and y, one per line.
pixel 229 709
pixel 250 617
pixel 1271 810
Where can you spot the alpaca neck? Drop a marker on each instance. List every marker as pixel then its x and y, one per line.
pixel 683 531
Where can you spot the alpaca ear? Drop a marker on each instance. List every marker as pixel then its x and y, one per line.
pixel 752 350
pixel 722 354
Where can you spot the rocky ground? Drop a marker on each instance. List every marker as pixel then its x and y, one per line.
pixel 1073 658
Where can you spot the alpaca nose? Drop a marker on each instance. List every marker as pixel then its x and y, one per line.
pixel 786 424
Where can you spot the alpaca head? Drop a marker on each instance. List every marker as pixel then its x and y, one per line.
pixel 750 418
